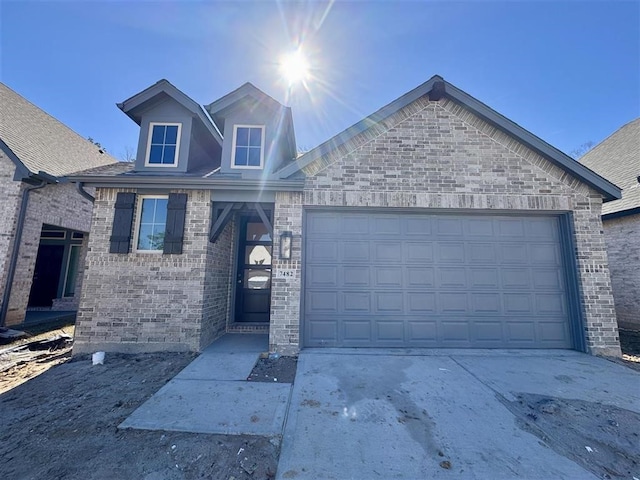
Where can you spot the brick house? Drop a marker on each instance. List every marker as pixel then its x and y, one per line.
pixel 44 221
pixel 617 158
pixel 434 222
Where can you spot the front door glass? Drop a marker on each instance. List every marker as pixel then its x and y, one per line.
pixel 253 287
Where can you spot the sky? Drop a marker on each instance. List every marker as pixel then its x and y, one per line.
pixel 567 71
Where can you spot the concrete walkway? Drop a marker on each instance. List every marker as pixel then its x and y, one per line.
pixel 437 415
pixel 211 395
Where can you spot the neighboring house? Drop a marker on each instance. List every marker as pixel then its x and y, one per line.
pixel 618 159
pixel 434 222
pixel 44 222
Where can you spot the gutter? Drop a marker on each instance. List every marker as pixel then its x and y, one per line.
pixel 191 183
pixel 84 193
pixel 43 179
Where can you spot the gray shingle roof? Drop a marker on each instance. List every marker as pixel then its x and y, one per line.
pixel 617 159
pixel 43 143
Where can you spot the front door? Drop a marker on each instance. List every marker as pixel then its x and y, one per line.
pixel 46 276
pixel 253 286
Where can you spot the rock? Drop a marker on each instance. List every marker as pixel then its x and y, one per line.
pixel 549 407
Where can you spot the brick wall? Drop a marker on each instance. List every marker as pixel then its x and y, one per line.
pixel 622 236
pixel 59 205
pixel 437 155
pixel 10 192
pixel 218 285
pixel 140 302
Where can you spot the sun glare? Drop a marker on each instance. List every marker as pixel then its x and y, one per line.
pixel 294 67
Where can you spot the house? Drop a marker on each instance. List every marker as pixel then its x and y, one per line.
pixel 44 221
pixel 618 159
pixel 434 222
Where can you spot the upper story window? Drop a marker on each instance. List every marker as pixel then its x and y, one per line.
pixel 152 223
pixel 164 142
pixel 248 146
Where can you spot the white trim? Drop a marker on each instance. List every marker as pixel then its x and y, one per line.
pixel 233 148
pixel 66 273
pixel 136 232
pixel 148 152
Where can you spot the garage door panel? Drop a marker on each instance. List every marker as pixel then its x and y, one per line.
pixel 323 251
pixel 354 224
pixel 421 302
pixel 388 302
pixel 420 277
pixel 482 253
pixel 486 303
pixel 319 302
pixel 355 276
pixel 356 302
pixel 415 225
pixel 452 277
pixel 387 252
pixel 434 281
pixel 484 278
pixel 513 253
pixel 323 276
pixel 419 252
pixel 389 277
pixel 449 226
pixel 356 251
pixel 450 252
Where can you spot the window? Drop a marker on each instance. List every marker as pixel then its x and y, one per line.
pixel 164 141
pixel 152 221
pixel 248 146
pixel 72 271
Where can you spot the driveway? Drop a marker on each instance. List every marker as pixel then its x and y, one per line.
pixel 461 414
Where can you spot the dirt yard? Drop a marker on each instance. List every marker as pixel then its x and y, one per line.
pixel 60 417
pixel 61 423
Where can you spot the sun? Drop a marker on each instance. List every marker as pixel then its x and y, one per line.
pixel 294 67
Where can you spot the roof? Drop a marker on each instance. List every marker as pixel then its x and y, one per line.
pixel 159 91
pixel 436 87
pixel 37 142
pixel 220 108
pixel 617 159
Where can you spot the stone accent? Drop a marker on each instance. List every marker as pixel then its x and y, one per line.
pixel 438 155
pixel 622 236
pixel 59 205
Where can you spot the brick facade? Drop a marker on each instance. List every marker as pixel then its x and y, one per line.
pixel 622 236
pixel 58 205
pixel 437 155
pixel 429 156
pixel 144 301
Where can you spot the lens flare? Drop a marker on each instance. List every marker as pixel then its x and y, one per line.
pixel 294 67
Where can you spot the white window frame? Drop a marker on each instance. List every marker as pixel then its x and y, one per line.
pixel 148 153
pixel 233 148
pixel 136 232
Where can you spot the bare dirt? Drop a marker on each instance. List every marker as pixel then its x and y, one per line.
pixel 60 415
pixel 60 418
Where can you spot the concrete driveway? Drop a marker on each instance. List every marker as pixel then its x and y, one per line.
pixel 450 414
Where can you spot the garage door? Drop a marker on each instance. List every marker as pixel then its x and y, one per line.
pixel 409 280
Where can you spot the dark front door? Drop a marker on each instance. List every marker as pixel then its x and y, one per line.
pixel 46 276
pixel 253 285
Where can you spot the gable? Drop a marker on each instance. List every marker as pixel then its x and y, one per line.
pixel 440 147
pixel 436 89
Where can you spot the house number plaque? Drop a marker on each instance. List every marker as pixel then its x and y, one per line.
pixel 287 273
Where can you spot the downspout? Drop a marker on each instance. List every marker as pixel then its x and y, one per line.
pixel 6 294
pixel 84 193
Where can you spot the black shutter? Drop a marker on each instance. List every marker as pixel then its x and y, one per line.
pixel 122 220
pixel 174 234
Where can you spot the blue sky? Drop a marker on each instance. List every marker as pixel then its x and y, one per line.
pixel 568 71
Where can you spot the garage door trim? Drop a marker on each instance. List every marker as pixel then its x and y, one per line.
pixel 566 244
